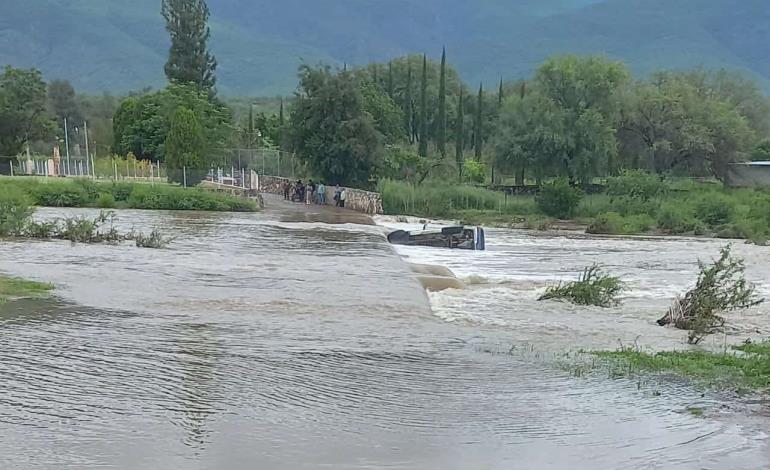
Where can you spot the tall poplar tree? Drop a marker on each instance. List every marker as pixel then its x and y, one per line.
pixel 477 130
pixel 408 105
pixel 390 79
pixel 423 149
pixel 189 60
pixel 460 135
pixel 500 94
pixel 441 125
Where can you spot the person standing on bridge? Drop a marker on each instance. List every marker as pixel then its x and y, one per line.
pixel 337 194
pixel 310 197
pixel 343 196
pixel 320 197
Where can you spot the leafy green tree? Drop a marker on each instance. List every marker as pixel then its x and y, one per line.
pixel 189 61
pixel 423 151
pixel 387 115
pixel 390 79
pixel 185 147
pixel 330 129
pixel 142 123
pixel 23 116
pixel 584 89
pixel 528 137
pixel 441 122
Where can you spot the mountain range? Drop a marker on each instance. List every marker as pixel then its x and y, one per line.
pixel 118 46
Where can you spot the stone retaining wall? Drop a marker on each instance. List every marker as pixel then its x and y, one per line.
pixel 355 199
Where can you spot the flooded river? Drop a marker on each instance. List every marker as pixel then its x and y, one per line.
pixel 281 341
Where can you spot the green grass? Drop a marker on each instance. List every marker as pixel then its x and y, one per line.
pixel 746 366
pixel 89 193
pixel 14 288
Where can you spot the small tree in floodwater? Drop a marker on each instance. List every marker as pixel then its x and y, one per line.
pixel 721 288
pixel 592 288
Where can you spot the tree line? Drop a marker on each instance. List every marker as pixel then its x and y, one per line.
pixel 413 118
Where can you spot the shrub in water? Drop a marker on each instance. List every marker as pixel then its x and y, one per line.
pixel 592 288
pixel 721 287
pixel 62 194
pixel 559 199
pixel 15 212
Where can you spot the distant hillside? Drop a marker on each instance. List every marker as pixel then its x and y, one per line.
pixel 117 46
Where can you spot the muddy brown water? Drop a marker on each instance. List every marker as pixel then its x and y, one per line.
pixel 280 340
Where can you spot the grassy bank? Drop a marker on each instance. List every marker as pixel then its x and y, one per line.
pixel 107 195
pixel 633 204
pixel 12 288
pixel 745 367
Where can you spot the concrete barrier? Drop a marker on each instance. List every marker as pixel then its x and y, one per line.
pixel 357 200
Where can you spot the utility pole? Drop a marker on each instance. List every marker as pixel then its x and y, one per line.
pixel 88 155
pixel 67 143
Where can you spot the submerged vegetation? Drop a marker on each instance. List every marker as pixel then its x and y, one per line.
pixel 16 222
pixel 721 288
pixel 744 367
pixel 12 288
pixel 593 287
pixel 108 195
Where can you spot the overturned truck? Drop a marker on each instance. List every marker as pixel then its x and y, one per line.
pixel 458 237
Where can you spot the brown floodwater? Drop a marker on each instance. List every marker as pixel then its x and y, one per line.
pixel 301 339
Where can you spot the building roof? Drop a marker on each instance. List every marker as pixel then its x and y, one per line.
pixel 753 164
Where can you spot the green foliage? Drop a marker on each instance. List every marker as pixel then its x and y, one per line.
pixel 748 368
pixel 592 288
pixel 189 61
pixel 185 146
pixel 15 211
pixel 637 184
pixel 12 288
pixel 721 288
pixel 342 146
pixel 436 199
pixel 141 124
pixel 676 218
pixel 22 109
pixel 558 199
pixel 424 136
pixel 441 119
pixel 714 209
pixel 105 201
pixel 474 171
pixel 68 193
pixel 155 239
pixel 387 115
pixel 612 223
pixel 761 151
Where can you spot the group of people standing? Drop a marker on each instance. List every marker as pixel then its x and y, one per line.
pixel 312 193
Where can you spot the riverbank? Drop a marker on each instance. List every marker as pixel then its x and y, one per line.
pixel 631 205
pixel 744 368
pixel 73 192
pixel 14 288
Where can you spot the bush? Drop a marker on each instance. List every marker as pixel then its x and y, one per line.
pixel 637 184
pixel 15 212
pixel 105 201
pixel 714 209
pixel 474 172
pixel 677 218
pixel 721 287
pixel 559 199
pixel 62 194
pixel 612 223
pixel 592 288
pixel 154 240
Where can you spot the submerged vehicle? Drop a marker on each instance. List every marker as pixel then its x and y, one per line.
pixel 458 237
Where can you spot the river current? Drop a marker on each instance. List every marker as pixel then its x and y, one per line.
pixel 300 339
